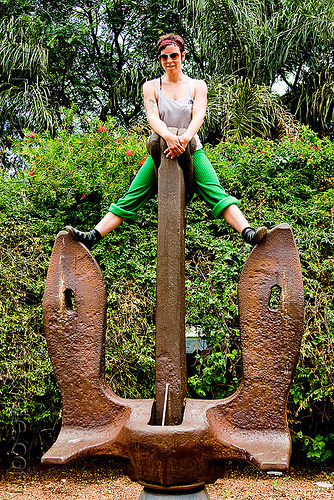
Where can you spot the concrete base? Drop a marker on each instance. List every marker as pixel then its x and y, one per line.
pixel 149 494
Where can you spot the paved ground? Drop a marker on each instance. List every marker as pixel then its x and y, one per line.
pixel 97 479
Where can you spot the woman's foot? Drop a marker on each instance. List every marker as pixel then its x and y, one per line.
pixel 88 238
pixel 253 236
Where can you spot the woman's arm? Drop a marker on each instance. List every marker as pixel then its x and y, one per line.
pixel 174 145
pixel 199 110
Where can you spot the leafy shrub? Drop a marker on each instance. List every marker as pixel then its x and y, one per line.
pixel 73 178
pixel 316 448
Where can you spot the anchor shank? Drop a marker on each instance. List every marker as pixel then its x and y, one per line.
pixel 170 314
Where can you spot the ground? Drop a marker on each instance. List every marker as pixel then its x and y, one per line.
pixel 98 479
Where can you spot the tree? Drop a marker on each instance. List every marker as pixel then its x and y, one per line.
pixel 242 108
pixel 24 93
pixel 102 53
pixel 290 40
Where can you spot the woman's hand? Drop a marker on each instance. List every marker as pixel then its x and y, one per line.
pixel 175 146
pixel 184 139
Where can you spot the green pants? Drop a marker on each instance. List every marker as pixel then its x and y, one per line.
pixel 144 187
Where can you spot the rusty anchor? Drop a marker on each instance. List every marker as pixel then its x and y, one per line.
pixel 200 435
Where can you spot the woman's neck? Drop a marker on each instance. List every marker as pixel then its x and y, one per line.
pixel 174 78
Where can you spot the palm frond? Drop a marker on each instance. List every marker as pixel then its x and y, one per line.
pixel 246 109
pixel 24 96
pixel 317 99
pixel 27 107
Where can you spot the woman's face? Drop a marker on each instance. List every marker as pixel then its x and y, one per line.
pixel 171 58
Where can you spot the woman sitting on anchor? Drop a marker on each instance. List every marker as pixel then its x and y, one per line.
pixel 174 100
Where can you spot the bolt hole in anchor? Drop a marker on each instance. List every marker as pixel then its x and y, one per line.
pixel 275 297
pixel 69 299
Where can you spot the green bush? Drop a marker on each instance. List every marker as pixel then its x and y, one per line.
pixel 72 179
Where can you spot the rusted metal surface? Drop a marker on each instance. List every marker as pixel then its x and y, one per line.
pixel 250 425
pixel 170 348
pixel 75 335
pixel 170 351
pixel 255 417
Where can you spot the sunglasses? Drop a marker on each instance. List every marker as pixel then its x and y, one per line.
pixel 173 56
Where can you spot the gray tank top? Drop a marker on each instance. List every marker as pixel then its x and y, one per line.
pixel 176 113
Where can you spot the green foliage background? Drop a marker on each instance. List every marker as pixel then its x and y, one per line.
pixel 72 179
pixel 98 55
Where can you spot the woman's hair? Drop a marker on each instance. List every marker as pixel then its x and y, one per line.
pixel 170 39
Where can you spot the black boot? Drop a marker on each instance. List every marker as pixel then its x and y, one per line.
pixel 253 236
pixel 89 238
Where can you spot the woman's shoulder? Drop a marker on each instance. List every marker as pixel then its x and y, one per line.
pixel 197 85
pixel 197 82
pixel 150 86
pixel 151 83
